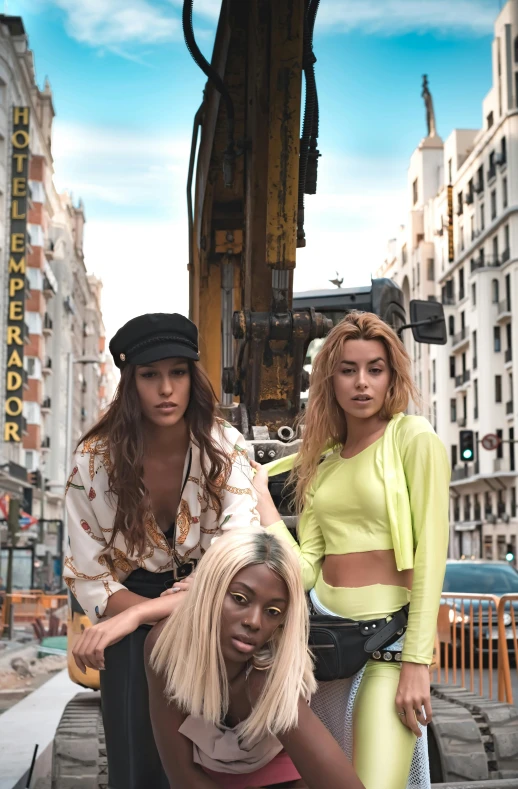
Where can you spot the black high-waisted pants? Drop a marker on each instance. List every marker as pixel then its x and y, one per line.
pixel 133 760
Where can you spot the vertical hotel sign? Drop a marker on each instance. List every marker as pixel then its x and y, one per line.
pixel 16 274
pixel 451 252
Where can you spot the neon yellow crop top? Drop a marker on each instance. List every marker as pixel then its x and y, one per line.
pixel 349 510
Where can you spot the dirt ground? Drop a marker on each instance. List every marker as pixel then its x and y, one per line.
pixel 22 671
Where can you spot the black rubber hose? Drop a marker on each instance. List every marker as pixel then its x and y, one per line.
pixel 310 119
pixel 207 69
pixel 194 146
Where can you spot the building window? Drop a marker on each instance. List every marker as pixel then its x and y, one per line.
pixel 475 398
pixel 493 204
pixel 450 171
pixel 498 388
pixel 461 284
pixel 497 343
pixel 433 376
pixel 415 192
pixel 516 49
pixel 453 410
pixel 474 348
pixel 403 255
pixel 505 196
pixel 490 120
pixel 32 413
pixel 495 291
pixel 488 504
pixel 482 219
pixel 495 250
pixel 513 502
pixel 460 203
pixel 503 151
pixel 500 447
pixel 451 325
pixel 511 450
pixel 507 244
pixel 418 271
pixel 452 366
pixel 453 455
pixel 430 270
pixel 474 295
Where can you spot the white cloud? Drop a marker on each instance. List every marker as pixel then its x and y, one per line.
pixel 112 23
pixel 143 266
pixel 122 169
pixel 389 17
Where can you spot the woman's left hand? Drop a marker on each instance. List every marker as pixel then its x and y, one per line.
pixel 412 695
pixel 180 586
pixel 88 652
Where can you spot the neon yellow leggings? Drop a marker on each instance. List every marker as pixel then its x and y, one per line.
pixel 383 746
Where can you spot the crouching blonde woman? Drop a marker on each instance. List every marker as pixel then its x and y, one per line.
pixel 373 538
pixel 230 676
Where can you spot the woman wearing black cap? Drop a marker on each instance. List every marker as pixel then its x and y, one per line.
pixel 154 481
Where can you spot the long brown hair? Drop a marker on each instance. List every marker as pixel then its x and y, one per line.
pixel 121 428
pixel 324 421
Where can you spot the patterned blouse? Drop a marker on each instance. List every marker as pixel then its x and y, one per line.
pixel 93 573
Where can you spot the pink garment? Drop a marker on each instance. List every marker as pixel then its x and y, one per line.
pixel 280 769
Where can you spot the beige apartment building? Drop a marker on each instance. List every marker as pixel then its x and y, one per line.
pixel 460 246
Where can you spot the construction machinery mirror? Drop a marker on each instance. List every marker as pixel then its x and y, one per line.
pixel 427 322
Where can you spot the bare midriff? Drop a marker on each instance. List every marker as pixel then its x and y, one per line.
pixel 354 570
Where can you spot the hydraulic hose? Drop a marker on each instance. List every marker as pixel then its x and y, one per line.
pixel 310 123
pixel 213 76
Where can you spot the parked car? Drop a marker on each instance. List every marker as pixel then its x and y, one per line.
pixel 480 577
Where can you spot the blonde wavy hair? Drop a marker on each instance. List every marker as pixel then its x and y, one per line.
pixel 188 651
pixel 324 421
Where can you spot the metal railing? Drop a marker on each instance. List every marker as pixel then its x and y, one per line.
pixel 463 378
pixel 467 628
pixel 460 336
pixel 509 407
pixel 509 355
pixel 506 254
pixel 504 306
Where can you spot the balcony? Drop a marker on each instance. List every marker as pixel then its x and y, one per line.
pixel 448 301
pixel 461 472
pixel 462 379
pixel 45 442
pixel 46 405
pixel 479 187
pixel 468 197
pixel 25 378
pixel 47 324
pixel 506 254
pixel 500 464
pixel 48 290
pixel 509 407
pixel 460 338
pixel 47 366
pixel 26 334
pixel 509 355
pixel 24 426
pixel 504 310
pixel 491 173
pixel 462 295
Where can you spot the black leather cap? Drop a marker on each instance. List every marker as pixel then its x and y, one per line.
pixel 152 337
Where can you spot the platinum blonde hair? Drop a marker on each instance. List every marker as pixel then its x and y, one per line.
pixel 188 651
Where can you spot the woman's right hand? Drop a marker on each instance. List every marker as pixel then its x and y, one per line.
pixel 265 506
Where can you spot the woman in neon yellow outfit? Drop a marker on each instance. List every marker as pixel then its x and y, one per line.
pixel 373 537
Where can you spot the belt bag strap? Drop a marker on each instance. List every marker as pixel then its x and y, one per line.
pixel 385 633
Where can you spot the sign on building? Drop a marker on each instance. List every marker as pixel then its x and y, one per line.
pixel 451 250
pixel 16 274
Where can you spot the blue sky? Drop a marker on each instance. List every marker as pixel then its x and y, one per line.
pixel 125 92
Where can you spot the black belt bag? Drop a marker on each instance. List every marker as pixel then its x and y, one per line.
pixel 341 647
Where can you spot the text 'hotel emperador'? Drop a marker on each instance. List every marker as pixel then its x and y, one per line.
pixel 17 275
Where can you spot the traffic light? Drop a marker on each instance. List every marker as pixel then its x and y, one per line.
pixel 467 445
pixel 510 552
